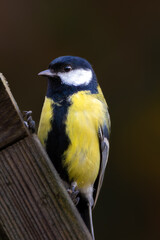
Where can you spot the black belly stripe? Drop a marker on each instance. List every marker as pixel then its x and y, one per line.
pixel 57 141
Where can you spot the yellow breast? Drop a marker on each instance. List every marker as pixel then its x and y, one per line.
pixel 82 158
pixel 45 120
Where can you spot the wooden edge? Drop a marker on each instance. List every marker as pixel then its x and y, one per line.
pixel 13 101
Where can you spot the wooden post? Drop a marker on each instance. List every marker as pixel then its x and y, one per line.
pixel 34 204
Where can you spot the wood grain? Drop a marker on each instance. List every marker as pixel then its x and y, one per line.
pixel 12 127
pixel 34 204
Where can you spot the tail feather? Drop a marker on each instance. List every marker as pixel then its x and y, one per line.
pixel 86 213
pixel 91 221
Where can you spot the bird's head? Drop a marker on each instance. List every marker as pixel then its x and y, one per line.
pixel 71 72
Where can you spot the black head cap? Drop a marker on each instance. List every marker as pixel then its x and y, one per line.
pixel 75 62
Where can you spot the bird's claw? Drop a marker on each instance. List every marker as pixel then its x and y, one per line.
pixel 73 192
pixel 28 121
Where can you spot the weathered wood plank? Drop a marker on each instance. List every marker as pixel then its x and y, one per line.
pixel 34 203
pixel 12 127
pixel 3 235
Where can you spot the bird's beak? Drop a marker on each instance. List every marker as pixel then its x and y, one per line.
pixel 47 73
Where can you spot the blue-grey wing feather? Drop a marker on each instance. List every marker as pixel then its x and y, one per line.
pixel 104 133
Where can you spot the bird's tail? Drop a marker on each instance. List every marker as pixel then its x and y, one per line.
pixel 91 221
pixel 86 213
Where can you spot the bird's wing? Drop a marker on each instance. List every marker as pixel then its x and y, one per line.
pixel 104 150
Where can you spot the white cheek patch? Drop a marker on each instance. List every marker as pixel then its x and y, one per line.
pixel 76 77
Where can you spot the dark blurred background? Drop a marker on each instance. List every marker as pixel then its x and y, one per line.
pixel 121 39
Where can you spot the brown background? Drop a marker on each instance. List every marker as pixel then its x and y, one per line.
pixel 122 41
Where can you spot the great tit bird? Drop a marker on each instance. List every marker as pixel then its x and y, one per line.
pixel 75 127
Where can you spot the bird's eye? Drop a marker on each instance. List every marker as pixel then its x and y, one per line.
pixel 67 68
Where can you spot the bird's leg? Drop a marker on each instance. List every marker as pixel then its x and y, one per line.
pixel 28 121
pixel 73 192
